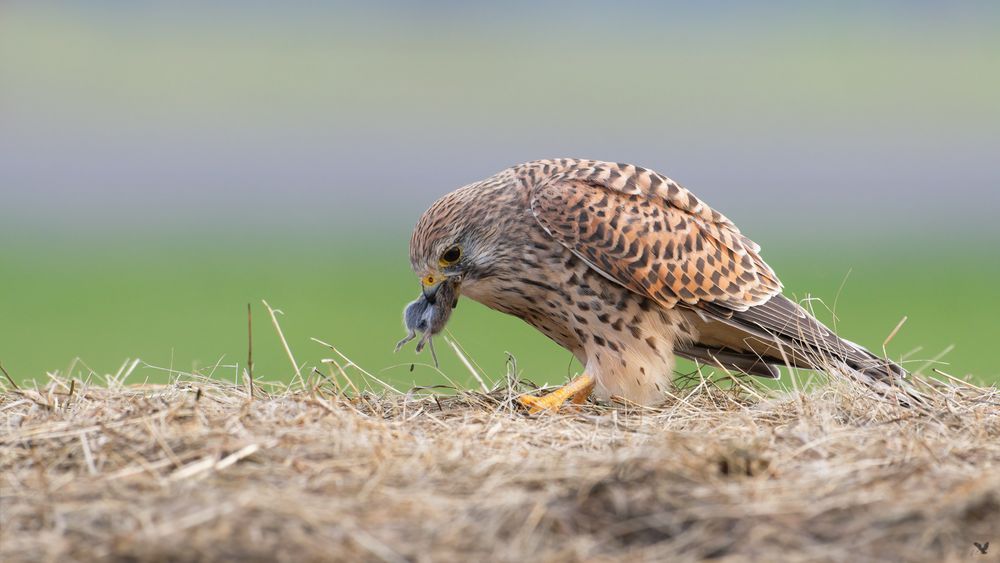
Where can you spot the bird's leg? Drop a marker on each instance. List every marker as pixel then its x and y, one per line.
pixel 581 396
pixel 579 389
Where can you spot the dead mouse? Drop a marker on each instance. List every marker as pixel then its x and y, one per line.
pixel 428 317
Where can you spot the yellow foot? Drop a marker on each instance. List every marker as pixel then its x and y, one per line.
pixel 579 389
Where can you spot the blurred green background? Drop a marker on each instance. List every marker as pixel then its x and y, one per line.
pixel 164 164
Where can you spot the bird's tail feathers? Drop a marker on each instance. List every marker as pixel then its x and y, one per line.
pixel 883 376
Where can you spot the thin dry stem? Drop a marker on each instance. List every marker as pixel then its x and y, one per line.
pixel 9 378
pixel 284 342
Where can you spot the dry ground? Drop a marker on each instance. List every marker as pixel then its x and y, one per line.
pixel 195 470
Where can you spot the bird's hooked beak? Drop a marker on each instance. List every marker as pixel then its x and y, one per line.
pixel 431 284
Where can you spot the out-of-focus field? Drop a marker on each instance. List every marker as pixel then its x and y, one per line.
pixel 183 305
pixel 140 144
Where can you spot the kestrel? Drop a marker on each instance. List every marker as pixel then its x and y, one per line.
pixel 624 268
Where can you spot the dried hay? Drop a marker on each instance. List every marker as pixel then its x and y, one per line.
pixel 198 470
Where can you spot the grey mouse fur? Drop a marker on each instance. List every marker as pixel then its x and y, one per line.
pixel 428 317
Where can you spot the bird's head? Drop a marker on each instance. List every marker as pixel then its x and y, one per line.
pixel 453 243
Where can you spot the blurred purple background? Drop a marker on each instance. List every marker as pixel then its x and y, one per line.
pixel 167 115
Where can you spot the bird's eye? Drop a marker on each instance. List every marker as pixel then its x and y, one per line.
pixel 451 256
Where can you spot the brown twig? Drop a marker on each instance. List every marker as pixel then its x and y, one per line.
pixel 9 378
pixel 250 348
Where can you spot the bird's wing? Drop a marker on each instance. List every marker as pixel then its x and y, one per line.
pixel 647 233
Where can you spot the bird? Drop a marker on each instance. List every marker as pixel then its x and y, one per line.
pixel 626 269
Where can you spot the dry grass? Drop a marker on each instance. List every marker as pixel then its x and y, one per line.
pixel 196 470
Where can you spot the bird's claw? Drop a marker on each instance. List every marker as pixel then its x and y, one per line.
pixel 537 405
pixel 578 390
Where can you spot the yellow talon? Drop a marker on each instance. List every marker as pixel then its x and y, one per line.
pixel 579 389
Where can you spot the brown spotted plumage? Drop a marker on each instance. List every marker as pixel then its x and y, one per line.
pixel 625 268
pixel 652 236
